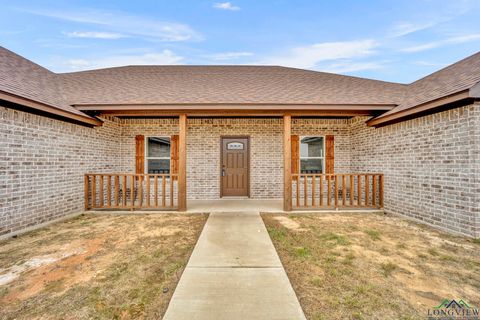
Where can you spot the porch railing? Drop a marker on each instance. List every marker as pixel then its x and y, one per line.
pixel 337 190
pixel 131 191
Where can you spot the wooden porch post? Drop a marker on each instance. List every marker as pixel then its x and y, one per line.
pixel 287 162
pixel 182 163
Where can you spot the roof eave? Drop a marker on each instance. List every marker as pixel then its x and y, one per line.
pixel 48 109
pixel 421 109
pixel 236 109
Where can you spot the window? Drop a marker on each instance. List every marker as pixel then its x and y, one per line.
pixel 312 155
pixel 157 155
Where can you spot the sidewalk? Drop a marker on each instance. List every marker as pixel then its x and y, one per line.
pixel 234 273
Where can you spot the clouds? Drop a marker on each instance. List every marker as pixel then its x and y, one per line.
pixel 94 35
pixel 404 28
pixel 165 57
pixel 117 22
pixel 308 57
pixel 440 43
pixel 225 6
pixel 375 40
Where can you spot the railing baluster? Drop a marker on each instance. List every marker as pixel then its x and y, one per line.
pixel 351 189
pixel 94 191
pixel 367 187
pixel 156 190
pixel 100 192
pixel 298 190
pixel 359 190
pixel 147 196
pixel 86 187
pixel 305 191
pixel 132 191
pixel 171 190
pixel 116 183
pixel 124 191
pixel 163 190
pixel 336 191
pixel 374 190
pixel 109 191
pixel 140 190
pixel 344 190
pixel 380 200
pixel 313 190
pixel 329 189
pixel 321 191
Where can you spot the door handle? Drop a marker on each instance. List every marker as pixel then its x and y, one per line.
pixel 223 172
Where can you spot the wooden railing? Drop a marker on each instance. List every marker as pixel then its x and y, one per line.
pixel 130 191
pixel 337 190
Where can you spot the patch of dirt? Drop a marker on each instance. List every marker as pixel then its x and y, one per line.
pixel 97 266
pixel 8 275
pixel 289 223
pixel 371 266
pixel 71 269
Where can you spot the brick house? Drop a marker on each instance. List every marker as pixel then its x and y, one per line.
pixel 155 137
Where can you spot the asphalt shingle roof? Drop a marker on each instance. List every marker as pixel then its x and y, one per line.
pixel 21 77
pixel 250 85
pixel 454 78
pixel 224 84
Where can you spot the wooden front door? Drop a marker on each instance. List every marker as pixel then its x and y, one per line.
pixel 235 167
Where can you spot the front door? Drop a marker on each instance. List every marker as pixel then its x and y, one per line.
pixel 235 167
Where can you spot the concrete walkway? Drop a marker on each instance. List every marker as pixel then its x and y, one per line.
pixel 234 273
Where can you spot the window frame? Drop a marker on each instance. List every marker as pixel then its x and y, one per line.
pixel 300 158
pixel 157 158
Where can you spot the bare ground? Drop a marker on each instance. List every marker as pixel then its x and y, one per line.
pixel 97 266
pixel 371 266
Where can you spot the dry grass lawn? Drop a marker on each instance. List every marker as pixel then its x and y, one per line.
pixel 371 266
pixel 97 266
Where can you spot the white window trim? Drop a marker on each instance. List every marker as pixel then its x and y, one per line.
pixel 156 158
pixel 300 153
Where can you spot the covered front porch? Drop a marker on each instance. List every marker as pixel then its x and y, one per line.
pixel 326 189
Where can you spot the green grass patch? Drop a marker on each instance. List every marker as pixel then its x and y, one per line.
pixel 373 234
pixel 302 252
pixel 334 239
pixel 277 234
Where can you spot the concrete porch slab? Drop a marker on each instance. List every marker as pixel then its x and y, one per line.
pixel 234 205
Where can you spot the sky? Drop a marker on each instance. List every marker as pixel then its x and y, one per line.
pixel 398 41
